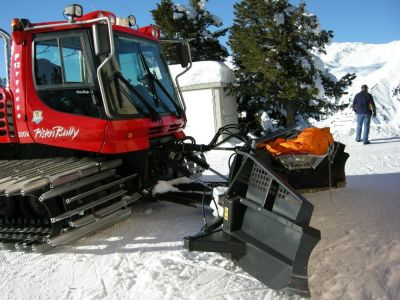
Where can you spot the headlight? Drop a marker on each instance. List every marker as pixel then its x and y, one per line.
pixel 132 20
pixel 73 11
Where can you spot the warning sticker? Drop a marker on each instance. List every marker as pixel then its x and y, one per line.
pixel 226 213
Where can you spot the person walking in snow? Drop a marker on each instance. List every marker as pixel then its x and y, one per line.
pixel 364 107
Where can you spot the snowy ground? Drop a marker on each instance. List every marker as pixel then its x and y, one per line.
pixel 359 254
pixel 142 257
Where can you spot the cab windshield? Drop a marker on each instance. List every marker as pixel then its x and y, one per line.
pixel 142 80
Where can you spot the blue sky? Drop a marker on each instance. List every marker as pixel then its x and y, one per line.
pixel 351 20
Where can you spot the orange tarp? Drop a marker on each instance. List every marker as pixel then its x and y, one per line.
pixel 309 141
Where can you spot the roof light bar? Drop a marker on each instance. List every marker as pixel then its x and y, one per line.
pixel 73 11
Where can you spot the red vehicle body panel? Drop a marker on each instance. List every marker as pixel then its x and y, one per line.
pixel 35 122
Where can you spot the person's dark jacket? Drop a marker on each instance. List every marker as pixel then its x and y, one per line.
pixel 364 103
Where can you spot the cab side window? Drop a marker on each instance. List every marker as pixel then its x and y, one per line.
pixel 63 74
pixel 48 63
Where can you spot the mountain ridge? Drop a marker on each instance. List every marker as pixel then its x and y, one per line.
pixel 376 65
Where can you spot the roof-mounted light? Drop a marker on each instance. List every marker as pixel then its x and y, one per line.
pixel 16 25
pixel 131 20
pixel 17 31
pixel 127 22
pixel 155 32
pixel 151 30
pixel 72 12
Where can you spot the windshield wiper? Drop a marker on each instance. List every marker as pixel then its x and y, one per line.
pixel 154 79
pixel 155 116
pixel 151 82
pixel 162 87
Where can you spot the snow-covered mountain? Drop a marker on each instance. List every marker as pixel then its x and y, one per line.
pixel 378 66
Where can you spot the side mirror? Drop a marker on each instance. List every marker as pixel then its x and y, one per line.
pixel 101 39
pixel 183 54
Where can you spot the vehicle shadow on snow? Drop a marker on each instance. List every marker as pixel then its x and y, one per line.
pixel 376 179
pixel 162 226
pixel 374 195
pixel 362 187
pixel 359 231
pixel 394 139
pixel 152 227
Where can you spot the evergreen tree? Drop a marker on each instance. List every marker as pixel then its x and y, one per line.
pixel 177 21
pixel 275 47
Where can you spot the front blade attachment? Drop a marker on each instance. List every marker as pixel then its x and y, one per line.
pixel 265 227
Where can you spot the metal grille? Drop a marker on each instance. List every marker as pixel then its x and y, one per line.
pixel 259 185
pixel 3 123
pixel 245 172
pixel 6 117
pixel 286 204
pixel 282 193
pixel 10 118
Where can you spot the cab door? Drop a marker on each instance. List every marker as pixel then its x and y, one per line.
pixel 66 109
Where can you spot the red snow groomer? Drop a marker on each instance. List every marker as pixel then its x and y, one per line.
pixel 90 119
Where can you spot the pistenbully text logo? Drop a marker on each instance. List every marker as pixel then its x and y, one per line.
pixel 56 132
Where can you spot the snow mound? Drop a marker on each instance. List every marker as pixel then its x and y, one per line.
pixel 205 72
pixel 163 187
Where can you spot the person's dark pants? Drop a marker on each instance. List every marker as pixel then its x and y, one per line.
pixel 363 119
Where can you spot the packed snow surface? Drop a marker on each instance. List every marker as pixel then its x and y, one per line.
pixel 142 257
pixel 359 254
